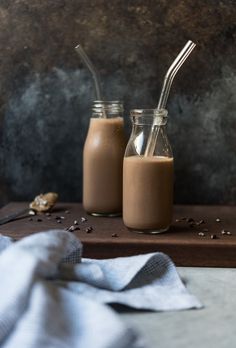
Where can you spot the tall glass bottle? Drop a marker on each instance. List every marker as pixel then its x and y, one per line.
pixel 148 179
pixel 103 160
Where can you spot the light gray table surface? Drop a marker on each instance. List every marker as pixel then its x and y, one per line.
pixel 212 326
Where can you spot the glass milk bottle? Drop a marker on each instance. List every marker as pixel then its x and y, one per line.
pixel 103 160
pixel 148 179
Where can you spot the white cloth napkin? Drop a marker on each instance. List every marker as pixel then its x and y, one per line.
pixel 45 302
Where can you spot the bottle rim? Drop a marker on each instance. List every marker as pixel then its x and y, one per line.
pixel 149 113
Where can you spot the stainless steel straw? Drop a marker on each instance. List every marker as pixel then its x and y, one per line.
pixel 169 77
pixel 79 49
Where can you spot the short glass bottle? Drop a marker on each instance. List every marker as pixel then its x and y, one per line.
pixel 103 160
pixel 148 179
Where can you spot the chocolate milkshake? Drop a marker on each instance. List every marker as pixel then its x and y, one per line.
pixel 148 192
pixel 102 166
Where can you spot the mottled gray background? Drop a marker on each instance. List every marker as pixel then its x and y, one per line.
pixel 46 92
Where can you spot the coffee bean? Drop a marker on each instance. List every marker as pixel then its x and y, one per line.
pixel 218 220
pixel 76 222
pixel 205 230
pixel 48 214
pixel 62 217
pixel 200 222
pixel 223 232
pixel 32 212
pixel 71 228
pixel 67 212
pixel 58 221
pixel 115 235
pixel 190 220
pixel 83 219
pixel 201 234
pixel 228 233
pixel 39 220
pixel 89 229
pixel 213 236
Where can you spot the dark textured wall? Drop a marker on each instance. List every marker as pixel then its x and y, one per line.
pixel 46 92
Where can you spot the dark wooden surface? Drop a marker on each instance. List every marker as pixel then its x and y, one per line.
pixel 182 242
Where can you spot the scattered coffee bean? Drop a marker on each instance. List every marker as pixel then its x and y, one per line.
pixel 32 212
pixel 58 221
pixel 39 220
pixel 72 228
pixel 192 224
pixel 218 220
pixel 213 236
pixel 115 235
pixel 190 220
pixel 67 212
pixel 201 234
pixel 76 222
pixel 57 217
pixel 30 219
pixel 200 222
pixel 205 230
pixel 62 217
pixel 223 232
pixel 83 219
pixel 48 218
pixel 228 233
pixel 89 229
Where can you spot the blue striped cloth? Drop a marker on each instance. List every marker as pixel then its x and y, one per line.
pixel 52 297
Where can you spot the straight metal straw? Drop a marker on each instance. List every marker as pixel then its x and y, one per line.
pixel 169 77
pixel 79 49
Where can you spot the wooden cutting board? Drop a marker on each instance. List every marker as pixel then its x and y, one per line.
pixel 110 238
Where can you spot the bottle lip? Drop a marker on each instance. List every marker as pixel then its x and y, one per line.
pixel 107 102
pixel 149 113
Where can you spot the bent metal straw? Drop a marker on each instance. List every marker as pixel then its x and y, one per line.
pixel 169 77
pixel 79 49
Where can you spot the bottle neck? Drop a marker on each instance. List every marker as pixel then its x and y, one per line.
pixel 107 109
